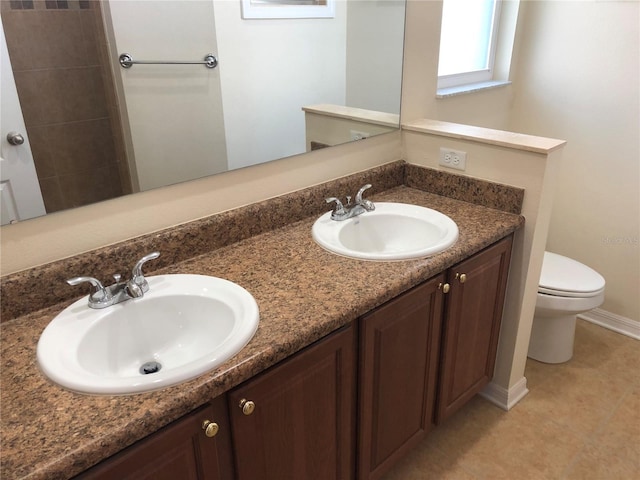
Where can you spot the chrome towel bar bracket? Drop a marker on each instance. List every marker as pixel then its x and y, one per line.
pixel 126 61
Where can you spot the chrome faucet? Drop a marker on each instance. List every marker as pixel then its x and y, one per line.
pixel 121 290
pixel 344 211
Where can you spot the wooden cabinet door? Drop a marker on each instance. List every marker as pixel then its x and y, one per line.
pixel 302 426
pixel 181 450
pixel 471 326
pixel 397 376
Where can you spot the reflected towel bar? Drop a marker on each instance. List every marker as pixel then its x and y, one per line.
pixel 127 62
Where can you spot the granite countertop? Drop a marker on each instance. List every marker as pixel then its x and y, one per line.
pixel 303 293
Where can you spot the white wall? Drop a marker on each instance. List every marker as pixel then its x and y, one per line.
pixel 241 113
pixel 175 111
pixel 375 39
pixel 259 61
pixel 245 111
pixel 578 79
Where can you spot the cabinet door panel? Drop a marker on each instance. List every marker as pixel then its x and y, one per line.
pixel 180 450
pixel 473 315
pixel 398 366
pixel 303 423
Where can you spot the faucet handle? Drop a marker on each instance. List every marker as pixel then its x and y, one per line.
pixel 339 208
pixel 367 204
pixel 100 295
pixel 137 278
pixel 361 191
pixel 338 211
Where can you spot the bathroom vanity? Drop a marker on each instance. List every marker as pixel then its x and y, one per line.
pixel 398 370
pixel 352 364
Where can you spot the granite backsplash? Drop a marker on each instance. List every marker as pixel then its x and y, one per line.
pixel 18 295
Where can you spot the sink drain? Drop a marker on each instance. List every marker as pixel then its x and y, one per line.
pixel 150 367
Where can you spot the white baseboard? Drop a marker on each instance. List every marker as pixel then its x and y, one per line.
pixel 504 398
pixel 617 323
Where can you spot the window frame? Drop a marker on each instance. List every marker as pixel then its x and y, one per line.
pixel 483 75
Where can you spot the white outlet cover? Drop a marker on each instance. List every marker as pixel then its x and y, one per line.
pixel 455 159
pixel 358 135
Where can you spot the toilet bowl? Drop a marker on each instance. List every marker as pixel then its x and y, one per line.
pixel 566 289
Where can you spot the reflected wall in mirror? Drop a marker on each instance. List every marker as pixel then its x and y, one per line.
pixel 98 131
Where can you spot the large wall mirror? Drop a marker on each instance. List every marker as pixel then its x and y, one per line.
pixel 96 130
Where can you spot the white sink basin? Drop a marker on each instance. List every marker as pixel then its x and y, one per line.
pixel 393 231
pixel 187 324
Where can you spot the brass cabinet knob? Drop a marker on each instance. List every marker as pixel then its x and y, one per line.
pixel 462 277
pixel 210 428
pixel 247 406
pixel 444 287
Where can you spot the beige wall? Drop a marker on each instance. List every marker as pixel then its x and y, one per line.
pixel 331 130
pixel 578 79
pixel 374 80
pixel 489 108
pixel 534 172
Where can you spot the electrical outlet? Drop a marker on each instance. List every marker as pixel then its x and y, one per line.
pixel 356 135
pixel 453 158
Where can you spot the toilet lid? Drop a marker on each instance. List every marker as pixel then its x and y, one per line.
pixel 566 277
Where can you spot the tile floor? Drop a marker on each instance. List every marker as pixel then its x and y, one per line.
pixel 580 421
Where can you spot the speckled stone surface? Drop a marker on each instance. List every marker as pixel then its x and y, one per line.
pixel 51 433
pixel 467 189
pixel 18 295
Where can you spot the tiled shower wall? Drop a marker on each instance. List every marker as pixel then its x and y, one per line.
pixel 59 56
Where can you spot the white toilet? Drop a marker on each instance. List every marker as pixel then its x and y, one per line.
pixel 566 288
